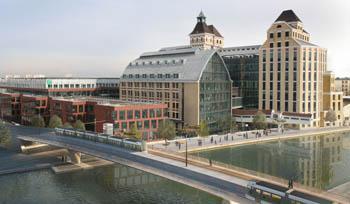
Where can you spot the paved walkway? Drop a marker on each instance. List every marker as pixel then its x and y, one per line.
pixel 343 190
pixel 238 138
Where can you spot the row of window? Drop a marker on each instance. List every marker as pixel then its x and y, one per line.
pixel 146 124
pixel 201 39
pixel 60 86
pixel 159 62
pixel 279 44
pixel 152 85
pixel 279 35
pixel 137 114
pixel 145 94
pixel 151 76
pixel 278 108
pixel 238 49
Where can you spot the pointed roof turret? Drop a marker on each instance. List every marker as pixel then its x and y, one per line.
pixel 201 17
pixel 288 16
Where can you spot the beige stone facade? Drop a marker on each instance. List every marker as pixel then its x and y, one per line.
pixel 332 100
pixel 343 85
pixel 206 41
pixel 164 92
pixel 291 70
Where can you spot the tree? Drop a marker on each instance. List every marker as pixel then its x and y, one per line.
pixel 203 129
pixel 233 124
pixel 79 125
pixel 37 121
pixel 224 124
pixel 5 134
pixel 331 116
pixel 67 125
pixel 134 132
pixel 189 131
pixel 55 122
pixel 166 130
pixel 259 120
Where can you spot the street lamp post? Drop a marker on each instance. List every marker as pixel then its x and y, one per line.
pixel 186 151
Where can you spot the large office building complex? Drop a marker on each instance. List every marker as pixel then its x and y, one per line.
pixel 63 86
pixel 291 69
pixel 243 66
pixel 193 82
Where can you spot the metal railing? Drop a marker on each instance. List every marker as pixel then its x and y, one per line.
pixel 103 138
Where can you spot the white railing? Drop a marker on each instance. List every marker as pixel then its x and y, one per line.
pixel 103 138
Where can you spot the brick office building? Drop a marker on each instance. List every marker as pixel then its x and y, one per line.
pixel 146 116
pixel 31 105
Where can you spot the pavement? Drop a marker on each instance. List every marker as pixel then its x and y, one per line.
pixel 238 138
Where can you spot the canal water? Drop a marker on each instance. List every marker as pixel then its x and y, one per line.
pixel 113 184
pixel 321 161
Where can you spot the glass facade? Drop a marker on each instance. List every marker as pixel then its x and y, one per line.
pixel 244 72
pixel 215 93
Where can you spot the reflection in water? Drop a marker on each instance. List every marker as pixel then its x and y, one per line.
pixel 310 160
pixel 114 184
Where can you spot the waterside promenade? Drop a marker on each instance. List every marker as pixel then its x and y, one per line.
pixel 239 138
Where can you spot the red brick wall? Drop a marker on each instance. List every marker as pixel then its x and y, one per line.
pixel 103 114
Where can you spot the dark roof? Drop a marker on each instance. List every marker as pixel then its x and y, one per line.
pixel 202 27
pixel 214 31
pixel 288 16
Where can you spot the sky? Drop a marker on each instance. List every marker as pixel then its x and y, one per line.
pixel 100 37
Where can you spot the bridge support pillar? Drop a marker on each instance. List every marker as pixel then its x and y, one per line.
pixel 74 156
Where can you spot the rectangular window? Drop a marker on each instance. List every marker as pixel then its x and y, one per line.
pixel 130 114
pixel 146 124
pixel 159 112
pixel 124 125
pixel 139 125
pixel 152 113
pixel 154 124
pixel 137 114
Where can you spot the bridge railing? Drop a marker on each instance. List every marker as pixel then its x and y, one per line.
pixel 103 138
